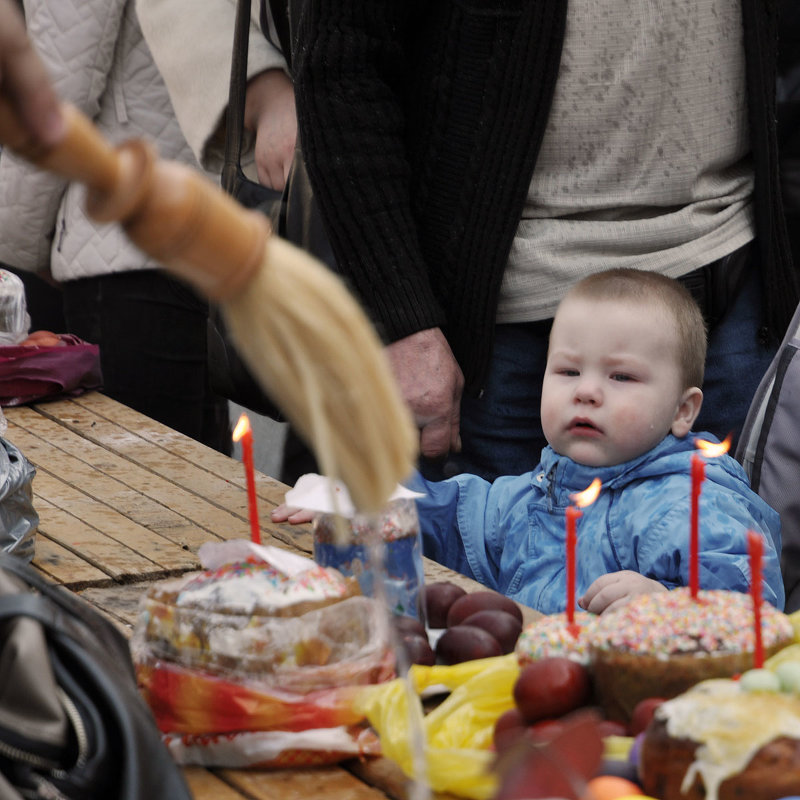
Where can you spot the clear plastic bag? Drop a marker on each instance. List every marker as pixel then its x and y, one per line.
pixel 397 533
pixel 238 673
pixel 14 318
pixel 18 518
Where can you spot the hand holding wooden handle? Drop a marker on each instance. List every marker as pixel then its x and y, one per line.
pixel 169 210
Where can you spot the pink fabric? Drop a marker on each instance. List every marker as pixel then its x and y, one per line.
pixel 28 374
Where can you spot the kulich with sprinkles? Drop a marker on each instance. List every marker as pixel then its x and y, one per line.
pixel 256 587
pixel 257 660
pixel 659 645
pixel 248 618
pixel 549 636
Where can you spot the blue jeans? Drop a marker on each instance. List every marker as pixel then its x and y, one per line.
pixel 501 431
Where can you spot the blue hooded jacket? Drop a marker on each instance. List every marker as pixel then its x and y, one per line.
pixel 509 535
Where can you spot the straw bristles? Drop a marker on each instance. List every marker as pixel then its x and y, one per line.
pixel 313 350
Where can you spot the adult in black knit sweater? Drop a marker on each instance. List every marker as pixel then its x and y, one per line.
pixel 473 159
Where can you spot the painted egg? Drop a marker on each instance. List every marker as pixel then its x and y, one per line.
pixel 610 787
pixel 760 680
pixel 789 675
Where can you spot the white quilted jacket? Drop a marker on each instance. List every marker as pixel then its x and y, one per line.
pixel 100 62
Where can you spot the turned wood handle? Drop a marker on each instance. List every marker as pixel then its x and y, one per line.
pixel 169 210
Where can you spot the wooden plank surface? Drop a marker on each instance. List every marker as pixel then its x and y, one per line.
pixel 199 470
pixel 125 501
pixel 205 784
pixel 295 784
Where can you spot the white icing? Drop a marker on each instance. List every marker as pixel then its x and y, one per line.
pixel 244 593
pixel 729 725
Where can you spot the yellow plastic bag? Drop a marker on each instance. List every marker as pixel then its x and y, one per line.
pixel 790 653
pixel 457 734
pixel 794 618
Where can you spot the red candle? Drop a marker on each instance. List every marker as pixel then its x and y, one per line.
pixel 244 433
pixel 710 450
pixel 580 499
pixel 698 475
pixel 573 514
pixel 756 547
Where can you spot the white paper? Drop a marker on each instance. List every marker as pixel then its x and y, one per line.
pixel 214 554
pixel 318 493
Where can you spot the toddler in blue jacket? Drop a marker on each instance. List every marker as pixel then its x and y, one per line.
pixel 620 395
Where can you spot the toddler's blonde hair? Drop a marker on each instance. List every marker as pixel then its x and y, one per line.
pixel 639 286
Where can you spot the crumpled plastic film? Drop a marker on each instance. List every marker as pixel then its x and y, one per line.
pixel 458 732
pixel 18 517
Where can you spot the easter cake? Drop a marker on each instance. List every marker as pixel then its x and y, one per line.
pixel 258 659
pixel 720 741
pixel 250 619
pixel 550 636
pixel 659 645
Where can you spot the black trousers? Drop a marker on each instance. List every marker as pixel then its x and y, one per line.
pixel 151 330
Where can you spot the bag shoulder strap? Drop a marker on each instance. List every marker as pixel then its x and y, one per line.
pixel 759 419
pixel 234 118
pixel 29 605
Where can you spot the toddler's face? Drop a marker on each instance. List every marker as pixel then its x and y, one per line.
pixel 612 387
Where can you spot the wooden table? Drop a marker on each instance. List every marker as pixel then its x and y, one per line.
pixel 124 501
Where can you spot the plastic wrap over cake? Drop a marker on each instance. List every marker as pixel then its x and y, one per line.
pixel 259 659
pixel 251 620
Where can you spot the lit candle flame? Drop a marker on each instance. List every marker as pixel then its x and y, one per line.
pixel 242 427
pixel 588 495
pixel 711 449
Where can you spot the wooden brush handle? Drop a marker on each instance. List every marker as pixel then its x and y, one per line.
pixel 169 210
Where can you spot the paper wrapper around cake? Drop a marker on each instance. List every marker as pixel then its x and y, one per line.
pixel 659 645
pixel 717 742
pixel 243 654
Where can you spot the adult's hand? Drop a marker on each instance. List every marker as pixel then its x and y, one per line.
pixel 269 111
pixel 24 82
pixel 431 383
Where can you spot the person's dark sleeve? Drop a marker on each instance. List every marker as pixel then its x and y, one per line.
pixel 349 71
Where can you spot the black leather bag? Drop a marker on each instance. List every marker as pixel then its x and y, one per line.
pixel 293 213
pixel 72 722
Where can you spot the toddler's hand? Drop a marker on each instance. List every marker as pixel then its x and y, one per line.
pixel 613 590
pixel 295 516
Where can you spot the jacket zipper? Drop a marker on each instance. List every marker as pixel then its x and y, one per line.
pixel 61 232
pixel 18 754
pixel 551 487
pixel 78 726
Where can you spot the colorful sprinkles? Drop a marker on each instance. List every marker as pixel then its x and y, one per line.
pixel 548 636
pixel 673 623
